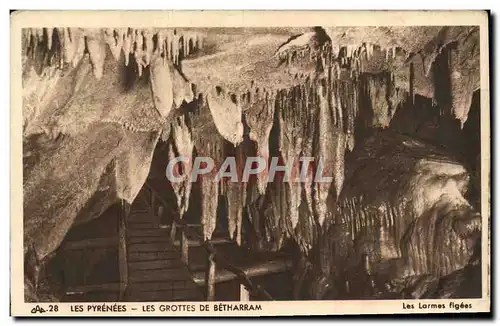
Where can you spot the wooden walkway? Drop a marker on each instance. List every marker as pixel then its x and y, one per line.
pixel 156 271
pixel 173 262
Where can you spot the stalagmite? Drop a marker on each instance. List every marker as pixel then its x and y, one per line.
pixel 161 86
pixel 226 114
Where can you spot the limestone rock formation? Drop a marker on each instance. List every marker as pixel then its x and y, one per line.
pixel 96 102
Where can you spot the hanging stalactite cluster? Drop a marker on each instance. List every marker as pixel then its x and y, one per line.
pixel 69 45
pixel 315 119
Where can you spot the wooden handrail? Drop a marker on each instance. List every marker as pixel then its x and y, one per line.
pixel 265 268
pixel 241 276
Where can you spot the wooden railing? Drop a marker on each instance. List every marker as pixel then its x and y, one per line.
pixel 247 285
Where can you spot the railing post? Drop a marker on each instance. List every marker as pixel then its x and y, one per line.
pixel 244 294
pixel 184 247
pixel 173 231
pixel 122 247
pixel 153 204
pixel 210 277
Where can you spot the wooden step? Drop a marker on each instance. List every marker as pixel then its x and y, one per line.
pixel 148 232
pixel 178 274
pixel 148 256
pixel 143 226
pixel 141 216
pixel 175 295
pixel 149 247
pixel 159 286
pixel 162 239
pixel 139 209
pixel 155 264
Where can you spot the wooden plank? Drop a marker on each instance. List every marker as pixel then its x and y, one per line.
pixel 178 274
pixel 175 295
pixel 210 278
pixel 155 264
pixel 158 286
pixel 152 239
pixel 91 243
pixel 146 247
pixel 122 247
pixel 148 256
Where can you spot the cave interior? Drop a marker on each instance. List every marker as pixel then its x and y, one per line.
pixel 394 111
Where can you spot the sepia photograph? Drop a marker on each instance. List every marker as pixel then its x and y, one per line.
pixel 251 163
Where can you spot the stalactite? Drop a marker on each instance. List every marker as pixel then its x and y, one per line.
pixel 260 118
pixel 226 114
pixel 236 198
pixel 139 42
pixel 310 100
pixel 208 143
pixel 280 208
pixel 291 137
pixel 182 88
pixel 209 201
pixel 114 39
pixel 377 86
pixel 97 52
pixel 325 151
pixel 161 86
pixel 182 144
